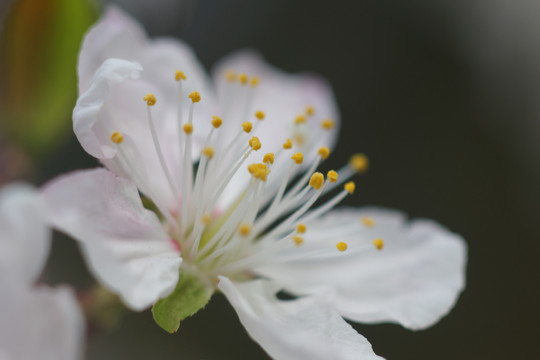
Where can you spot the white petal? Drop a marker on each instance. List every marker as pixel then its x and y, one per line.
pixel 40 323
pixel 115 35
pixel 126 246
pixel 305 328
pixel 282 96
pixel 25 238
pixel 414 280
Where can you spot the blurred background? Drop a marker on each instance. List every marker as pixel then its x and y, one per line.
pixel 442 95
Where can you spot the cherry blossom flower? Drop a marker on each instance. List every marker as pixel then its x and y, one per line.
pixel 234 202
pixel 29 312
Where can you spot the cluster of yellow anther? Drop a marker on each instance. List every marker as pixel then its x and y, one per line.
pixel 359 162
pixel 379 243
pixel 287 144
pixel 310 110
pixel 268 158
pixel 298 158
pixel 195 96
pixel 298 240
pixel 150 99
pixel 300 119
pixel 247 126
pixel 188 128
pixel 328 124
pixel 179 75
pixel 260 115
pixel 316 181
pixel 255 143
pixel 332 176
pixel 117 138
pixel 216 121
pixel 341 246
pixel 367 221
pixel 231 77
pixel 244 229
pixel 324 152
pixel 350 187
pixel 208 152
pixel 259 171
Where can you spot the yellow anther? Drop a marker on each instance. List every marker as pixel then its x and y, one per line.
pixel 350 186
pixel 195 96
pixel 332 176
pixel 268 158
pixel 208 152
pixel 301 228
pixel 255 143
pixel 206 219
pixel 299 139
pixel 216 121
pixel 259 115
pixel 359 162
pixel 230 76
pixel 243 79
pixel 247 126
pixel 316 181
pixel 341 246
pixel 255 81
pixel 287 144
pixel 379 243
pixel 259 171
pixel 179 75
pixel 298 240
pixel 188 128
pixel 328 124
pixel 367 221
pixel 324 152
pixel 298 158
pixel 117 138
pixel 310 110
pixel 150 99
pixel 300 119
pixel 244 229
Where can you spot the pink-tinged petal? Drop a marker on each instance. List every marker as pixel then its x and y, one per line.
pixel 306 328
pixel 125 245
pixel 25 238
pixel 115 35
pixel 40 323
pixel 414 280
pixel 282 97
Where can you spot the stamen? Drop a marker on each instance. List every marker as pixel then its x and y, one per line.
pixel 150 99
pixel 260 115
pixel 300 119
pixel 367 221
pixel 206 219
pixel 379 243
pixel 310 110
pixel 316 181
pixel 268 158
pixel 117 138
pixel 324 152
pixel 359 162
pixel 332 176
pixel 255 143
pixel 179 75
pixel 244 229
pixel 216 121
pixel 328 124
pixel 188 128
pixel 195 96
pixel 287 144
pixel 301 228
pixel 298 240
pixel 298 158
pixel 208 152
pixel 243 79
pixel 230 76
pixel 341 246
pixel 247 126
pixel 259 171
pixel 255 81
pixel 350 187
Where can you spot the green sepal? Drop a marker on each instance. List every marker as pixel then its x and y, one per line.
pixel 190 295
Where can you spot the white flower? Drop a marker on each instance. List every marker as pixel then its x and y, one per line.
pixel 243 220
pixel 29 312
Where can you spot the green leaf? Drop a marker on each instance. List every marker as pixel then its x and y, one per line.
pixel 190 295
